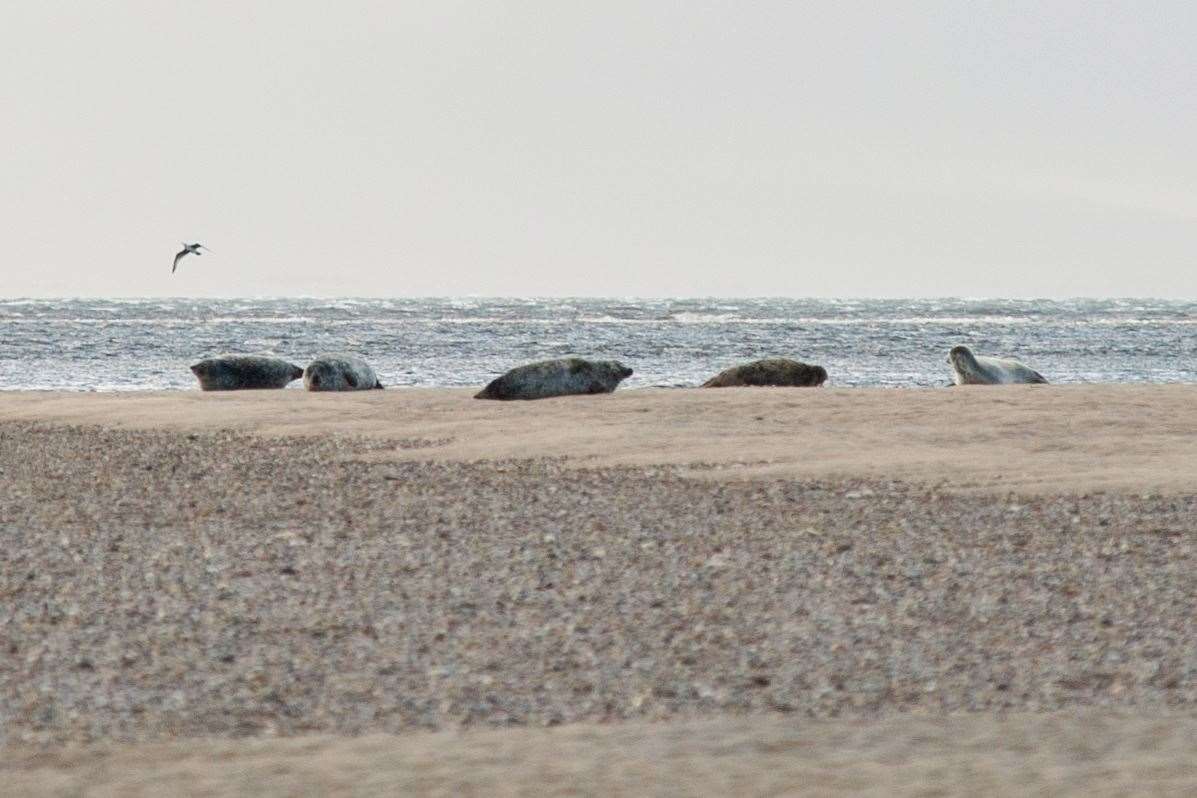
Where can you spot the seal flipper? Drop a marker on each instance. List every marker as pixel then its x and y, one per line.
pixel 378 386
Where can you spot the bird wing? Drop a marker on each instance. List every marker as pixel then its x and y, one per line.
pixel 176 263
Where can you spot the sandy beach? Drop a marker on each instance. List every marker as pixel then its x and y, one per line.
pixel 654 592
pixel 1051 439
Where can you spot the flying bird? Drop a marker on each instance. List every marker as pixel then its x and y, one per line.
pixel 188 249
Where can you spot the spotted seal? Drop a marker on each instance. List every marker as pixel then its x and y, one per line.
pixel 778 371
pixel 339 372
pixel 564 377
pixel 244 372
pixel 970 369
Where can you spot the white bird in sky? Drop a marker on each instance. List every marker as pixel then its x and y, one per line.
pixel 188 249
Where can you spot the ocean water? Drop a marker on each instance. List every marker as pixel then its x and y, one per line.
pixel 140 344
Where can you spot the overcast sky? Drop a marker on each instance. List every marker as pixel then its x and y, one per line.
pixel 599 148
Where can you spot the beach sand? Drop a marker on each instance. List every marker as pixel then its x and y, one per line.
pixel 1052 439
pixel 653 592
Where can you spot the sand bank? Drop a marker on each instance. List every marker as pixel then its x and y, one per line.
pixel 1047 439
pixel 186 567
pixel 1090 754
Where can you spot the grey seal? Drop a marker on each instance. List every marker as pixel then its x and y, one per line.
pixel 244 372
pixel 339 372
pixel 564 377
pixel 778 371
pixel 970 369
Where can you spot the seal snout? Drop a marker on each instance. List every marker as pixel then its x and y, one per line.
pixel 625 372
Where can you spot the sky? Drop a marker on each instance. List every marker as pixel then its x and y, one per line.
pixel 996 149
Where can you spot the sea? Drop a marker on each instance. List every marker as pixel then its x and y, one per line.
pixel 148 344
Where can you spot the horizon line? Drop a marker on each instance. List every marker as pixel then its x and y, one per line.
pixel 599 297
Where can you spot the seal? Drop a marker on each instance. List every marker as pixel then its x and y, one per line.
pixel 564 377
pixel 244 372
pixel 339 372
pixel 970 369
pixel 777 371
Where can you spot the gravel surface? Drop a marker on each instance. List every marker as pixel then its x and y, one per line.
pixel 161 584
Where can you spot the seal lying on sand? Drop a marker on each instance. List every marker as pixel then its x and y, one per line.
pixel 339 373
pixel 970 369
pixel 771 371
pixel 571 375
pixel 244 372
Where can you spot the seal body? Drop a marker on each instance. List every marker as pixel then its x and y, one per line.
pixel 339 372
pixel 970 369
pixel 777 371
pixel 564 377
pixel 244 372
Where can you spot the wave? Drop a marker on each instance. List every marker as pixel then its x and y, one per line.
pixel 680 319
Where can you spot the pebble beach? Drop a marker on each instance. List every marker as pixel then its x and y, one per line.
pixel 779 568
